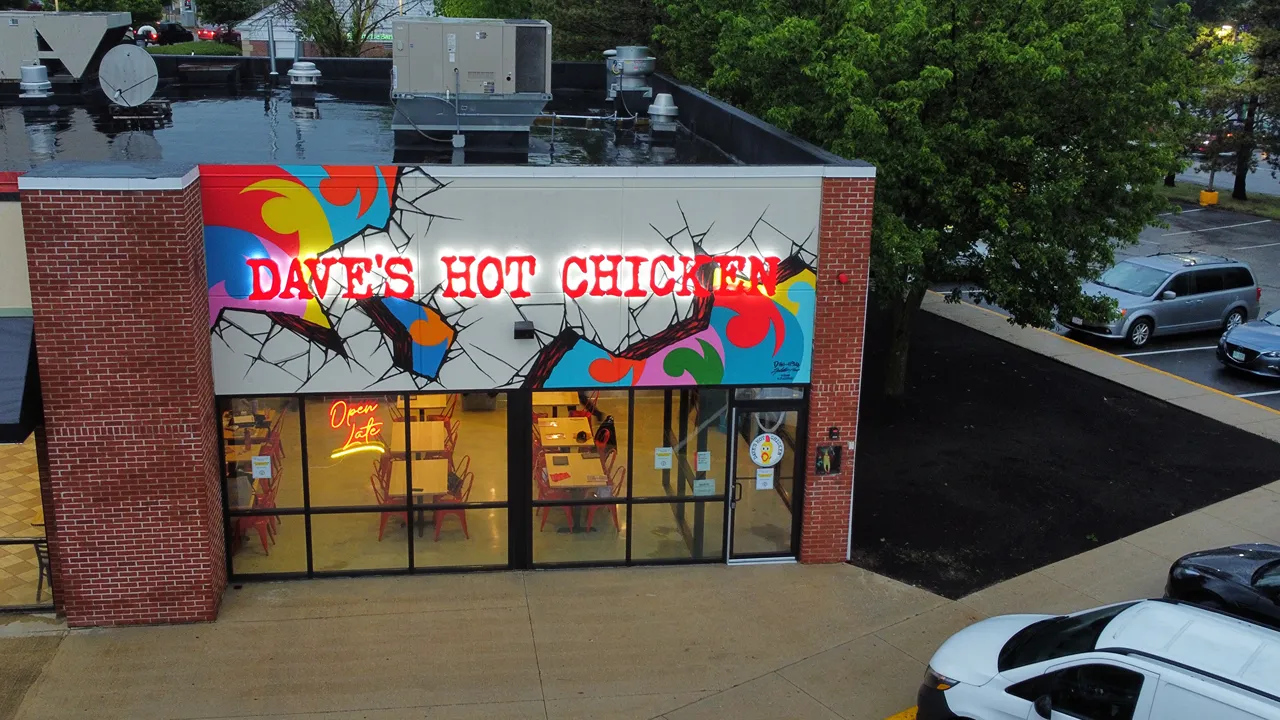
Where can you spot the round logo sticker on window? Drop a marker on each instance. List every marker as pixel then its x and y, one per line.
pixel 767 450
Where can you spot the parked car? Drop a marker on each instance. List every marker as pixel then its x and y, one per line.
pixel 219 33
pixel 1253 347
pixel 1144 660
pixel 165 33
pixel 1243 580
pixel 1172 293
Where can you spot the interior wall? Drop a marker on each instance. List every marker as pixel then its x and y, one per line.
pixel 15 289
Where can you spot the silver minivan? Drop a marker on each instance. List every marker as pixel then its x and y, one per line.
pixel 1173 293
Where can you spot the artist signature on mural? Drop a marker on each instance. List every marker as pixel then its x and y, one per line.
pixel 786 369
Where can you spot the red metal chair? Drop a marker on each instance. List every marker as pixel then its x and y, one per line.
pixel 449 409
pixel 463 467
pixel 263 524
pixel 546 492
pixel 385 500
pixel 461 513
pixel 617 491
pixel 608 459
pixel 397 412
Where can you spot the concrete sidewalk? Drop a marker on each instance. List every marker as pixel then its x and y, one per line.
pixel 768 641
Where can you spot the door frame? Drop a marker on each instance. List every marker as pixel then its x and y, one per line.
pixel 799 406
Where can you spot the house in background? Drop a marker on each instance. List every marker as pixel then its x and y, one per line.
pixel 257 30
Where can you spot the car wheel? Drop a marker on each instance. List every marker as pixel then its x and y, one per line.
pixel 1140 332
pixel 1234 318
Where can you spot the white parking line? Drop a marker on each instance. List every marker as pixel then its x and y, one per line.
pixel 1259 394
pixel 1224 227
pixel 1255 247
pixel 1162 352
pixel 1184 212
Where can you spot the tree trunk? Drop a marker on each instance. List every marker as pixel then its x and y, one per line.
pixel 902 312
pixel 1169 180
pixel 1244 151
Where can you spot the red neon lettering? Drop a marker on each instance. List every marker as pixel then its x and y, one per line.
pixel 665 288
pixel 273 272
pixel 699 262
pixel 580 289
pixel 730 268
pixel 295 287
pixel 486 263
pixel 635 290
pixel 601 274
pixel 318 278
pixel 764 272
pixel 341 414
pixel 687 270
pixel 398 268
pixel 519 262
pixel 464 275
pixel 356 267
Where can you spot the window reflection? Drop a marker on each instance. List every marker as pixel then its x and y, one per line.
pixel 677 531
pixel 262 446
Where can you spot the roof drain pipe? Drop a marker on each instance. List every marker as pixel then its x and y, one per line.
pixel 459 140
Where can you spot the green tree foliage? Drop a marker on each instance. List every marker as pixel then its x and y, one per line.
pixel 341 28
pixel 144 12
pixel 1255 96
pixel 1037 128
pixel 227 12
pixel 581 29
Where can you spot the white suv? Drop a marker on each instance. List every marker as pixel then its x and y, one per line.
pixel 1145 660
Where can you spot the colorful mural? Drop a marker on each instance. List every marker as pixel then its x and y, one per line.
pixel 331 279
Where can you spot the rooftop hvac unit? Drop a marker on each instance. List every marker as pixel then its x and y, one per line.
pixel 68 43
pixel 453 75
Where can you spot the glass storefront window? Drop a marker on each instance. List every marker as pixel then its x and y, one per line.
pixel 579 448
pixel 268 544
pixel 351 441
pixel 686 457
pixel 564 537
pixel 262 446
pixel 677 531
pixel 360 541
pixel 442 539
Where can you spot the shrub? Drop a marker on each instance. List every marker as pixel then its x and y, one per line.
pixel 199 47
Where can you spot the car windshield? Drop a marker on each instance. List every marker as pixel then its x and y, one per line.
pixel 1133 278
pixel 1056 637
pixel 1273 318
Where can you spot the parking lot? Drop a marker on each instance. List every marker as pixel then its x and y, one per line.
pixel 1244 237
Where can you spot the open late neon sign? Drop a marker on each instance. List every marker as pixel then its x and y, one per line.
pixel 363 427
pixel 489 276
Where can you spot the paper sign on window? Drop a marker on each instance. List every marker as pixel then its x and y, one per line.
pixel 704 486
pixel 261 467
pixel 662 458
pixel 704 461
pixel 764 478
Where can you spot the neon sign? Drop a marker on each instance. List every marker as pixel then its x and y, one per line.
pixel 363 427
pixel 271 283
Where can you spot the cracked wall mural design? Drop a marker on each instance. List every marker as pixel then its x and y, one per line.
pixel 331 279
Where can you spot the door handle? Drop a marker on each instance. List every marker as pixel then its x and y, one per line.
pixel 737 491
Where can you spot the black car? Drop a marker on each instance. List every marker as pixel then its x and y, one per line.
pixel 1243 580
pixel 166 33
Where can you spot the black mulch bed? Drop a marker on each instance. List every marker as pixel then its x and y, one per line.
pixel 1000 461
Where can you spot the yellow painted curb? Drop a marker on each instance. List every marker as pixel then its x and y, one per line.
pixel 1128 360
pixel 908 714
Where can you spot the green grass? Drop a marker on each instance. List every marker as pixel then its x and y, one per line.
pixel 1267 206
pixel 199 47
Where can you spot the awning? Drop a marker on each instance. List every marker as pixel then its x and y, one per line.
pixel 20 406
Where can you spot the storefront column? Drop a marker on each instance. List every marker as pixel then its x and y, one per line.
pixel 844 244
pixel 118 289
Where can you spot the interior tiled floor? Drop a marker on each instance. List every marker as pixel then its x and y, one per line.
pixel 19 501
pixel 350 540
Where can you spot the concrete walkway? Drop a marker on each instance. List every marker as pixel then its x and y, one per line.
pixel 773 641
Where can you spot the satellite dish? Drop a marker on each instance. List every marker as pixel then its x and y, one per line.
pixel 128 75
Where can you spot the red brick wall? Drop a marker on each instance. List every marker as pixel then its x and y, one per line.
pixel 844 246
pixel 121 323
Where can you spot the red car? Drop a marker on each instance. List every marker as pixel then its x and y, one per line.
pixel 219 33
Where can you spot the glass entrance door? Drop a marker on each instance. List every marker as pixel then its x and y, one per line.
pixel 767 465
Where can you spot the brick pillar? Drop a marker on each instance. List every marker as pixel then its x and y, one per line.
pixel 116 260
pixel 844 246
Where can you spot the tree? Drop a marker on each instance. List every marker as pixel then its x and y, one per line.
pixel 342 28
pixel 227 12
pixel 142 11
pixel 1258 95
pixel 581 29
pixel 1037 127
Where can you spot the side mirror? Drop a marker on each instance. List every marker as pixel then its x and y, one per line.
pixel 1044 707
pixel 1168 295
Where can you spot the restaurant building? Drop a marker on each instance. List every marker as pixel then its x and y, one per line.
pixel 271 371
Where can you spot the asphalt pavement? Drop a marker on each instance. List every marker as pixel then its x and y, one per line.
pixel 1248 238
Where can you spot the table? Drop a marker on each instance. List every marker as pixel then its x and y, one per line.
pixel 256 434
pixel 427 437
pixel 422 403
pixel 242 453
pixel 430 477
pixel 585 474
pixel 555 400
pixel 267 414
pixel 563 432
